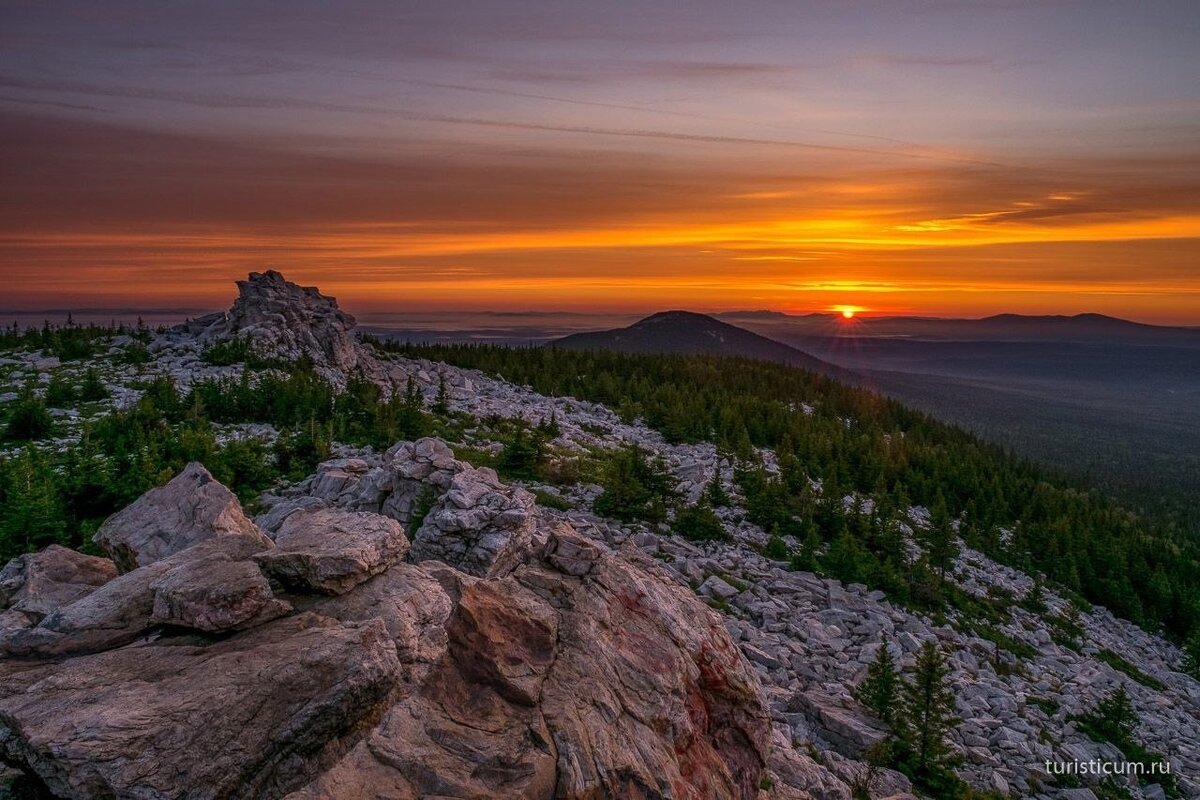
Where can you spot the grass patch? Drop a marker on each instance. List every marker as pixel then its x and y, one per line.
pixel 551 500
pixel 1121 665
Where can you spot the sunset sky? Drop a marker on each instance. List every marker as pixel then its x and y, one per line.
pixel 941 158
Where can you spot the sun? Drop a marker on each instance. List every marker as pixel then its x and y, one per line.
pixel 847 313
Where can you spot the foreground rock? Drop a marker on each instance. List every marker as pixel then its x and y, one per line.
pixel 210 587
pixel 578 675
pixel 214 593
pixel 479 525
pixel 469 517
pixel 236 718
pixel 575 671
pixel 193 507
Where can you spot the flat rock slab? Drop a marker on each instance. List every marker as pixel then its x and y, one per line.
pixel 330 550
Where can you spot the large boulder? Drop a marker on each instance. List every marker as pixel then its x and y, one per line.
pixel 214 593
pixel 115 614
pixel 38 583
pixel 331 550
pixel 247 717
pixel 190 508
pixel 559 669
pixel 474 730
pixel 280 318
pixel 414 606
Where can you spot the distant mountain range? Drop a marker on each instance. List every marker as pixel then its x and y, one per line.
pixel 1001 327
pixel 1117 401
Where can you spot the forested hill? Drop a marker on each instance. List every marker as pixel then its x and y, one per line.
pixel 852 440
pixel 689 332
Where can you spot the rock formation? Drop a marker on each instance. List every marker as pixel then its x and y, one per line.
pixel 321 665
pixel 281 319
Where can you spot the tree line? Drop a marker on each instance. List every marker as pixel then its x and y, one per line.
pixel 831 441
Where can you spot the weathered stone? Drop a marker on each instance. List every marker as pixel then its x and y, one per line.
pixel 284 320
pixel 331 550
pixel 190 508
pixel 38 583
pixel 560 686
pixel 214 593
pixel 474 730
pixel 714 586
pixel 112 615
pixel 849 730
pixel 413 604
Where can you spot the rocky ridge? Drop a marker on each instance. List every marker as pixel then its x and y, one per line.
pixel 512 580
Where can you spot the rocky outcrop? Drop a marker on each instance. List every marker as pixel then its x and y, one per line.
pixel 331 550
pixel 408 474
pixel 284 320
pixel 191 508
pixel 577 677
pixel 212 593
pixel 479 525
pixel 575 671
pixel 210 586
pixel 469 517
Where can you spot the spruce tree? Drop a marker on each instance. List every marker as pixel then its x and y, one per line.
pixel 29 419
pixel 441 403
pixel 1112 720
pixel 878 690
pixel 92 388
pixel 714 493
pixel 941 546
pixel 806 559
pixel 926 716
pixel 31 512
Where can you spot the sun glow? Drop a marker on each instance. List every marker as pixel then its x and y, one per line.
pixel 847 312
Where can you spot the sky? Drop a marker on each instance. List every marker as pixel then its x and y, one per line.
pixel 900 157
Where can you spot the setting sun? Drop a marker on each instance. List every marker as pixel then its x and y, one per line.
pixel 847 312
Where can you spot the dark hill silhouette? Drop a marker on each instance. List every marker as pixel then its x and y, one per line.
pixel 687 332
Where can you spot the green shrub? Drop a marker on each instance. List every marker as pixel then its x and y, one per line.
pixel 699 523
pixel 637 487
pixel 29 419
